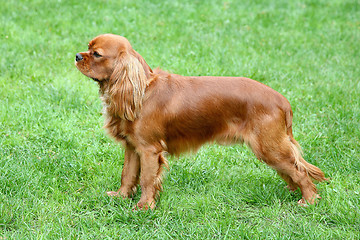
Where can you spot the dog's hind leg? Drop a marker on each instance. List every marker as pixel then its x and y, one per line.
pixel 272 145
pixel 292 187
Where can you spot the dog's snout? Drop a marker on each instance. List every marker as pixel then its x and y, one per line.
pixel 79 57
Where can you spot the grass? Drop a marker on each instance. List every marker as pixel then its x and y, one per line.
pixel 56 163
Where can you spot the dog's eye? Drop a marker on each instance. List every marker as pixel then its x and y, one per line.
pixel 96 54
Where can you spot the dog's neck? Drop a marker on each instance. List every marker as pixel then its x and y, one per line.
pixel 103 85
pixel 105 99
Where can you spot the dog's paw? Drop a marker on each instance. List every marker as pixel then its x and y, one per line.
pixel 291 188
pixel 305 203
pixel 144 206
pixel 121 193
pixel 113 194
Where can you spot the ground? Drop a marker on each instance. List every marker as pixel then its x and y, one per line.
pixel 56 163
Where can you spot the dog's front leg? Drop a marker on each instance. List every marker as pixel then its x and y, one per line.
pixel 130 174
pixel 150 165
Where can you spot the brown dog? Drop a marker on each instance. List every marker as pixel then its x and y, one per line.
pixel 152 112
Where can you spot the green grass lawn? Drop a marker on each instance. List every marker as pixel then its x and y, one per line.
pixel 56 163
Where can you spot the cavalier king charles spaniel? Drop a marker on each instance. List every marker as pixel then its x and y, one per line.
pixel 152 112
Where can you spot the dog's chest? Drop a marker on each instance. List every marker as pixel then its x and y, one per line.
pixel 114 126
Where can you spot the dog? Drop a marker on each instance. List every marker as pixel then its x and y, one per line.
pixel 155 112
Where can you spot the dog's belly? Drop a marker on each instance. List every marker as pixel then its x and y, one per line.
pixel 190 136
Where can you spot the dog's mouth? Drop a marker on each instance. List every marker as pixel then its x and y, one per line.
pixel 84 69
pixel 95 79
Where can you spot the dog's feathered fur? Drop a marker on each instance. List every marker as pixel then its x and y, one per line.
pixel 152 112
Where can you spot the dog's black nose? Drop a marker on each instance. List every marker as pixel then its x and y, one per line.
pixel 79 57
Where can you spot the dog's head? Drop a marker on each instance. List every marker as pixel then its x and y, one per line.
pixel 104 54
pixel 110 59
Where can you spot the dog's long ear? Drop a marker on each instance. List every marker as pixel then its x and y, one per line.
pixel 127 85
pixel 146 67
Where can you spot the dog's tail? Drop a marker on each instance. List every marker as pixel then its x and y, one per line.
pixel 313 171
